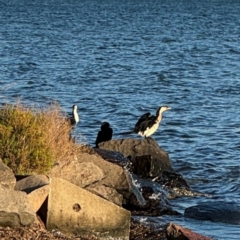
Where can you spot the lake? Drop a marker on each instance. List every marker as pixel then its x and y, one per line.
pixel 119 59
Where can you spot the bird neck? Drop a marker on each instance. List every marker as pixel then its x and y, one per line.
pixel 159 117
pixel 75 115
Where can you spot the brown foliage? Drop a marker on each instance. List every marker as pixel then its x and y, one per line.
pixel 31 140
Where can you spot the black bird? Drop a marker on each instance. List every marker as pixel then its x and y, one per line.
pixel 105 134
pixel 74 118
pixel 147 124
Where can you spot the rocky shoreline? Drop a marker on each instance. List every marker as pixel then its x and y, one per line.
pixel 94 195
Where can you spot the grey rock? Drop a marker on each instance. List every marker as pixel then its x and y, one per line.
pixel 7 178
pixel 30 183
pixel 82 174
pixel 15 209
pixel 144 154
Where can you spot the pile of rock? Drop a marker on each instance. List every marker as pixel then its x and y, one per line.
pixel 92 195
pixel 64 206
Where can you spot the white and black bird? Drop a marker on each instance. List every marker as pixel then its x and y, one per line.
pixel 73 117
pixel 148 124
pixel 105 133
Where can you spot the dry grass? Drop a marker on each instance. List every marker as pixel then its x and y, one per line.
pixel 32 140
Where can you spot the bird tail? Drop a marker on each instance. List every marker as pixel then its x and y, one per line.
pixel 125 133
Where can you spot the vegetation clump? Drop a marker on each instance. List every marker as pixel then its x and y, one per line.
pixel 31 141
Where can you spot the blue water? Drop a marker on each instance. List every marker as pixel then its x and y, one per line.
pixel 119 59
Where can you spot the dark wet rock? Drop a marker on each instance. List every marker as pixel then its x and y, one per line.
pixel 173 180
pixel 176 232
pixel 215 212
pixel 112 156
pixel 175 185
pixel 156 202
pixel 134 196
pixel 141 165
pixel 153 159
pixel 154 205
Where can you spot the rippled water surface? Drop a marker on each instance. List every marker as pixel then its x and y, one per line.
pixel 119 59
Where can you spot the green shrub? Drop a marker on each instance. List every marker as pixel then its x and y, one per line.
pixel 31 141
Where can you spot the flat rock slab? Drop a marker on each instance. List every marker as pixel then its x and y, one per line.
pixel 31 183
pixel 215 212
pixel 7 178
pixel 82 174
pixel 15 210
pixel 76 211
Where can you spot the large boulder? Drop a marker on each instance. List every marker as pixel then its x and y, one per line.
pixel 7 178
pixel 215 211
pixel 76 211
pixel 148 159
pixel 89 170
pixel 30 183
pixel 15 209
pixel 81 173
